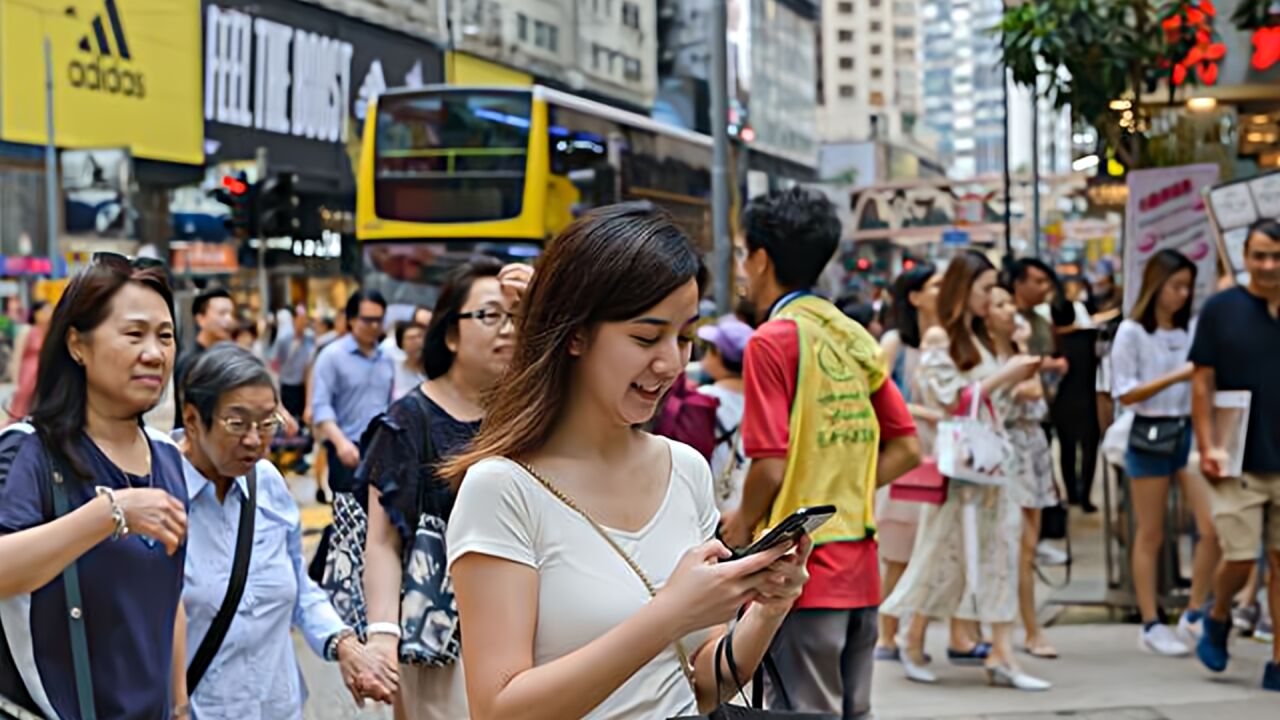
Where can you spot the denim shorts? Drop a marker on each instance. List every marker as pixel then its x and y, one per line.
pixel 1138 464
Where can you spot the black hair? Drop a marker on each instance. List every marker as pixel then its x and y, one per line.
pixel 1061 309
pixel 248 326
pixel 905 319
pixel 799 230
pixel 733 366
pixel 62 387
pixel 360 296
pixel 437 358
pixel 36 307
pixel 328 322
pixel 403 327
pixel 201 303
pixel 860 312
pixel 746 312
pixel 1264 226
pixel 219 370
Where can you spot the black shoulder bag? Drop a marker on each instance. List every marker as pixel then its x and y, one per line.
pixel 235 589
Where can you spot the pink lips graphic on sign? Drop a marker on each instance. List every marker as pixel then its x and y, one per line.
pixel 1148 243
pixel 1199 251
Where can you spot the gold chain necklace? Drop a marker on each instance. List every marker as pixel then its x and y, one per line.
pixel 685 665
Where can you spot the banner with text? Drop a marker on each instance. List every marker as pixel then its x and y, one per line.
pixel 1166 211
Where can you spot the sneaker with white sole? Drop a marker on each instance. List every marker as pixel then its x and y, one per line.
pixel 1190 630
pixel 1162 641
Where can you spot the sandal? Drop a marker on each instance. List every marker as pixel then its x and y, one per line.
pixel 973 656
pixel 1041 650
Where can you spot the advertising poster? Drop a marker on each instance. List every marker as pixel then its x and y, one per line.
pixel 1166 210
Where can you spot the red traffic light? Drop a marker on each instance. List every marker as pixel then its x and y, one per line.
pixel 864 264
pixel 235 185
pixel 908 264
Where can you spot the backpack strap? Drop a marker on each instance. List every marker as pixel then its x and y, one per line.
pixel 75 603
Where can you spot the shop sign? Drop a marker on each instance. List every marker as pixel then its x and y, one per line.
pixel 1166 210
pixel 203 258
pixel 126 73
pixel 18 266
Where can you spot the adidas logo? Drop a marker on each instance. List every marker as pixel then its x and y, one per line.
pixel 107 72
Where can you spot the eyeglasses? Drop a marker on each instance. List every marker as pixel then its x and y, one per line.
pixel 135 263
pixel 489 317
pixel 369 319
pixel 239 427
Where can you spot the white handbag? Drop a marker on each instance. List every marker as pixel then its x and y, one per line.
pixel 972 450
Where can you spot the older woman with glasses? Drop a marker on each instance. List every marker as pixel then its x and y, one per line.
pixel 231 412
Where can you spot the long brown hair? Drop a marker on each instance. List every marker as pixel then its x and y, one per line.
pixel 953 306
pixel 58 414
pixel 610 265
pixel 1160 269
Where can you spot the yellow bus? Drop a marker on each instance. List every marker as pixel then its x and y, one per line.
pixel 446 173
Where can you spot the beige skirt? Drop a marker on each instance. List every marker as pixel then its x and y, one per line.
pixel 432 693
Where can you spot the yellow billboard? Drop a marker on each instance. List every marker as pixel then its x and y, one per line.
pixel 126 73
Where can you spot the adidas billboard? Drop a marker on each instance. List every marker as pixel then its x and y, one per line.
pixel 104 62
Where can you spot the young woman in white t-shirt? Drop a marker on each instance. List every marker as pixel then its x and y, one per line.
pixel 561 482
pixel 1151 376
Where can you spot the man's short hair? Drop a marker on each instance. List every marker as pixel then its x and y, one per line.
pixel 1269 227
pixel 359 296
pixel 201 304
pixel 799 230
pixel 1021 267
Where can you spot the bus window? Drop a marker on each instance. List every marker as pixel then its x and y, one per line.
pixel 451 156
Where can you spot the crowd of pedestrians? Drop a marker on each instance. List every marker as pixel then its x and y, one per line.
pixel 539 484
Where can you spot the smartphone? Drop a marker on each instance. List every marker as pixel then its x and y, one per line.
pixel 801 522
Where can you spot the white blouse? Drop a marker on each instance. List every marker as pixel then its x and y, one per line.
pixel 1138 357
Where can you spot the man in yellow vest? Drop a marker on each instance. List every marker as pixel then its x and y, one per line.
pixel 821 425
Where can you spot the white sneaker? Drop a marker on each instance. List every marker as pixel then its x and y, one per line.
pixel 1162 641
pixel 1049 555
pixel 916 673
pixel 1190 631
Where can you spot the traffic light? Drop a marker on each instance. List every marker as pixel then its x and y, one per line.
pixel 278 206
pixel 238 195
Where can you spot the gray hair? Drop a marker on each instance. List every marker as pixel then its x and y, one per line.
pixel 222 368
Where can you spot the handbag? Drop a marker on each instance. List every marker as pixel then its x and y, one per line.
pixel 1159 436
pixel 235 588
pixel 922 484
pixel 972 450
pixel 724 711
pixel 343 579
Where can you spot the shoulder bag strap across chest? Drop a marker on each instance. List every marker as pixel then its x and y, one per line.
pixel 75 603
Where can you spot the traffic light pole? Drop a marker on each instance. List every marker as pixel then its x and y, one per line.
pixel 50 161
pixel 723 247
pixel 264 287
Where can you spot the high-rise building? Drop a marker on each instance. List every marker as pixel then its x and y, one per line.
pixel 963 76
pixel 869 86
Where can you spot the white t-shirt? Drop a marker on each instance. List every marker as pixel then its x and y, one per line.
pixel 584 587
pixel 729 462
pixel 1138 357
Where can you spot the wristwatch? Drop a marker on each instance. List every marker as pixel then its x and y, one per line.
pixel 331 645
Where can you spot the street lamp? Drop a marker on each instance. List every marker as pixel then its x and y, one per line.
pixel 51 150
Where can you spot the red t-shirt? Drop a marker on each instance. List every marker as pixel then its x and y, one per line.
pixel 842 575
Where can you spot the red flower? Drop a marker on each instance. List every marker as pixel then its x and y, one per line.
pixel 1266 47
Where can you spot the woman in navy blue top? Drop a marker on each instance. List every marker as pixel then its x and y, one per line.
pixel 106 361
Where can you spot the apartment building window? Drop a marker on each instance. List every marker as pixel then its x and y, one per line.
pixel 904 32
pixel 845 8
pixel 904 7
pixel 846 63
pixel 877 99
pixel 877 49
pixel 631 15
pixel 877 73
pixel 846 91
pixel 845 36
pixel 597 53
pixel 546 36
pixel 631 70
pixel 876 3
pixel 877 26
pixel 522 27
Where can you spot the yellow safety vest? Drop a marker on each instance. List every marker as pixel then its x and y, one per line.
pixel 835 436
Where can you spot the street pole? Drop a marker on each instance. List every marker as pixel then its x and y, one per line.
pixel 264 288
pixel 1035 167
pixel 720 157
pixel 50 160
pixel 1008 179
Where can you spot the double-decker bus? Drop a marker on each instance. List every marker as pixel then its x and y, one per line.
pixel 447 173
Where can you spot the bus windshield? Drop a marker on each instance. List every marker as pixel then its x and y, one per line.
pixel 451 156
pixel 411 273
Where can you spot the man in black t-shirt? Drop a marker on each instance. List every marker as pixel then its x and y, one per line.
pixel 1236 347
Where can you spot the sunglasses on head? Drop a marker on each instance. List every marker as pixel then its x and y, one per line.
pixel 134 263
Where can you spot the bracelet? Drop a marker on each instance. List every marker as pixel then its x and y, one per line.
pixel 117 513
pixel 181 711
pixel 334 643
pixel 384 628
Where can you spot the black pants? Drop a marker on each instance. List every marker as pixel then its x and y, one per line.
pixel 1078 436
pixel 294 399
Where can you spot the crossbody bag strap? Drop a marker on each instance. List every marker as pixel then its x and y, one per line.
pixel 235 588
pixel 685 665
pixel 75 604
